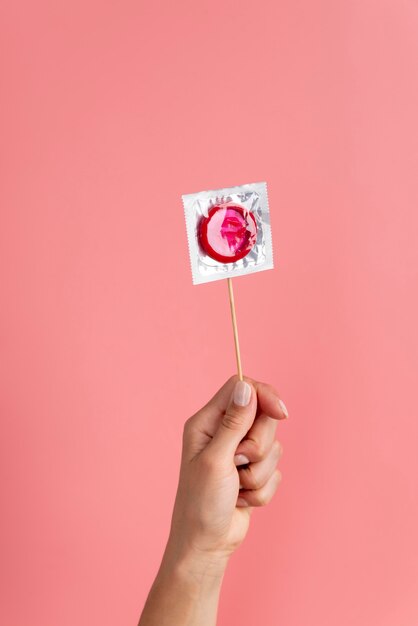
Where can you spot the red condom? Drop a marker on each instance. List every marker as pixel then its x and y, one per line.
pixel 228 233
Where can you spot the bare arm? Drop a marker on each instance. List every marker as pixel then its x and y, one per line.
pixel 185 591
pixel 228 467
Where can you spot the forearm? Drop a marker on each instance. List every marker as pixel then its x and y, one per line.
pixel 185 591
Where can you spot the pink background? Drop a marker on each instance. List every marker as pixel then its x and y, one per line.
pixel 109 112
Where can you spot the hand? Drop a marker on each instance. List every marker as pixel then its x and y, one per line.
pixel 230 442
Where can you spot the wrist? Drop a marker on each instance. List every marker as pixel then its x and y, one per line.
pixel 186 589
pixel 193 565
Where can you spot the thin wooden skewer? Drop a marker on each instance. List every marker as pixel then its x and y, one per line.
pixel 235 328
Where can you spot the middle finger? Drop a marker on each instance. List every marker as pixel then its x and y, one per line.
pixel 257 442
pixel 256 475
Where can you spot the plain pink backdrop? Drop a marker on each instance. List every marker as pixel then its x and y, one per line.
pixel 109 112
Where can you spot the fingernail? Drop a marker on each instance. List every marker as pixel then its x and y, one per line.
pixel 241 459
pixel 283 408
pixel 242 502
pixel 242 393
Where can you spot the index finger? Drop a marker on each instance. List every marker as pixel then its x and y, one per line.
pixel 268 398
pixel 269 401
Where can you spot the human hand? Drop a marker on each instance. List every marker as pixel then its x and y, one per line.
pixel 230 442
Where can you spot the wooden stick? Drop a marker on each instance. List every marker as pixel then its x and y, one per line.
pixel 235 328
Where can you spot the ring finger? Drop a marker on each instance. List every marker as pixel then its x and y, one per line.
pixel 260 497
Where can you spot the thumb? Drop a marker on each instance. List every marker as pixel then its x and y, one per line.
pixel 237 419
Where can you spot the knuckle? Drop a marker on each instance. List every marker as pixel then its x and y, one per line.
pixel 263 498
pixel 256 482
pixel 277 449
pixel 265 495
pixel 259 450
pixel 232 420
pixel 188 426
pixel 249 479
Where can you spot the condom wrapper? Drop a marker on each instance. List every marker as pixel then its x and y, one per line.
pixel 228 232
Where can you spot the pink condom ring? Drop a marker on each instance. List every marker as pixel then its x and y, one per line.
pixel 228 233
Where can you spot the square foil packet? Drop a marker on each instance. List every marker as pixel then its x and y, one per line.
pixel 252 199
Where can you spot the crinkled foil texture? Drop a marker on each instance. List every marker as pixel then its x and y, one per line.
pixel 252 197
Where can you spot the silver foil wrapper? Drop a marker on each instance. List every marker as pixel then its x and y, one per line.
pixel 253 197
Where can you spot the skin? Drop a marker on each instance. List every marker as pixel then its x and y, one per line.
pixel 215 499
